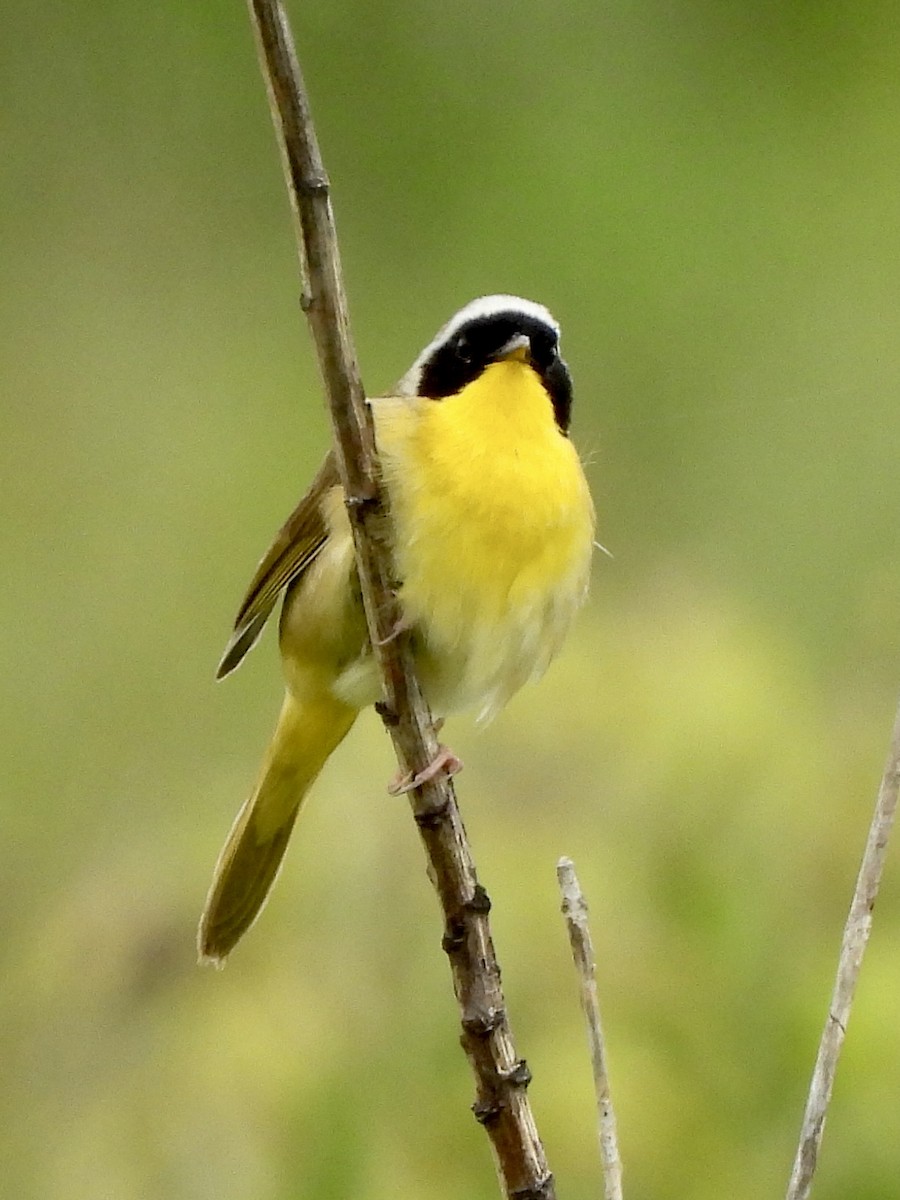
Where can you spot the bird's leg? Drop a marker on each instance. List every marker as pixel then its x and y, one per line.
pixel 444 762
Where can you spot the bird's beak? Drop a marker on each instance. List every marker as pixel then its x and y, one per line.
pixel 518 347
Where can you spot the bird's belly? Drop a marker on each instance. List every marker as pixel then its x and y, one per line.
pixel 493 564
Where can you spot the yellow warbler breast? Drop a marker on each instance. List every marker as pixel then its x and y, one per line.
pixel 494 529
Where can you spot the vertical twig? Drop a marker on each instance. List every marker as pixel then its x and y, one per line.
pixel 853 946
pixel 502 1104
pixel 575 911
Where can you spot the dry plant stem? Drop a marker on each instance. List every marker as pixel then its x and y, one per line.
pixel 853 946
pixel 575 911
pixel 502 1104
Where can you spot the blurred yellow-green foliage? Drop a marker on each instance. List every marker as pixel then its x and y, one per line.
pixel 706 193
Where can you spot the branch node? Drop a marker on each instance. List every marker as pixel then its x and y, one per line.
pixel 360 502
pixel 480 903
pixel 482 1023
pixel 311 185
pixel 543 1191
pixel 387 714
pixel 454 938
pixel 486 1112
pixel 431 818
pixel 518 1075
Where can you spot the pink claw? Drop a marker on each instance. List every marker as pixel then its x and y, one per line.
pixel 444 762
pixel 400 626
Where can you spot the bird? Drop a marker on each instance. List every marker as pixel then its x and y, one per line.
pixel 492 534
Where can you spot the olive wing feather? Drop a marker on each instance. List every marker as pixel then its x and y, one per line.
pixel 295 546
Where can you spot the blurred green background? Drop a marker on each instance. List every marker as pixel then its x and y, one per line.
pixel 706 195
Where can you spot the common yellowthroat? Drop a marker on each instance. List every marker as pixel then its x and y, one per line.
pixel 493 534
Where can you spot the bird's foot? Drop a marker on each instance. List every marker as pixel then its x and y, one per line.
pixel 445 762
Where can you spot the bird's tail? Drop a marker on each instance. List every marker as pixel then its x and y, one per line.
pixel 248 865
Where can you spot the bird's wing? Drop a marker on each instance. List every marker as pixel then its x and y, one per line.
pixel 296 545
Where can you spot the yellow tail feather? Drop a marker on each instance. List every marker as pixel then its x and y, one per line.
pixel 248 865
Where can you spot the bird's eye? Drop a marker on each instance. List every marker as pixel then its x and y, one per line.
pixel 463 349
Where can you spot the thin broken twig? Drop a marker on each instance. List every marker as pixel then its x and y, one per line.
pixel 575 911
pixel 853 947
